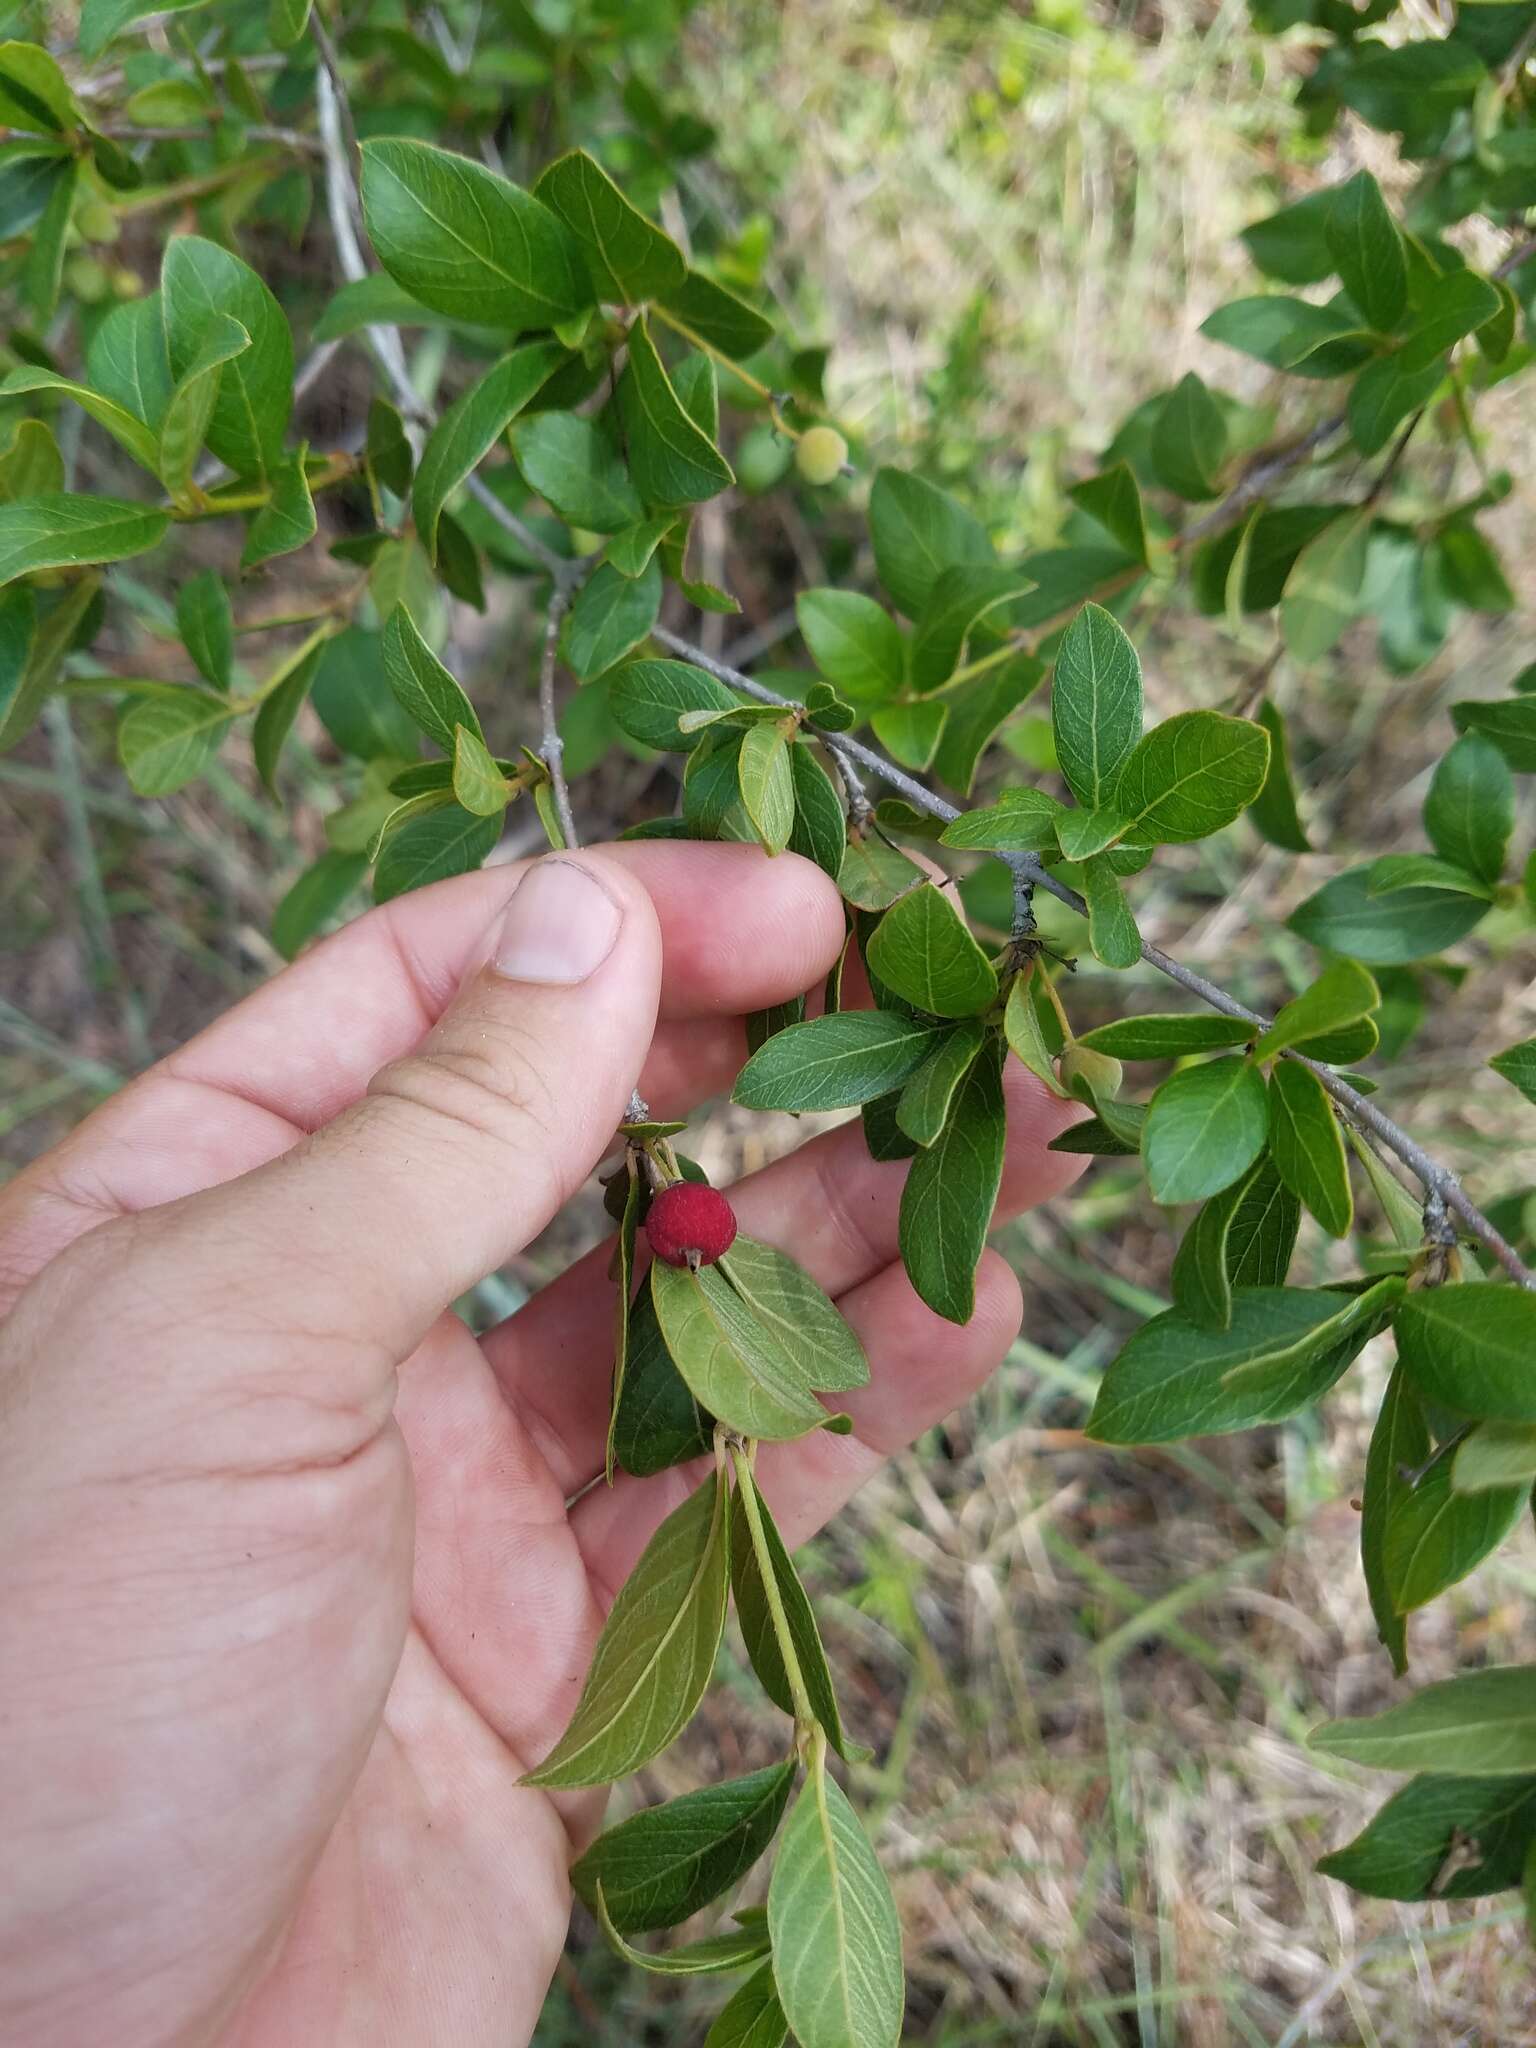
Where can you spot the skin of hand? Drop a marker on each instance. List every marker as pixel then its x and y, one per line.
pixel 297 1578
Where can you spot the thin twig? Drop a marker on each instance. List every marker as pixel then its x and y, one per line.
pixel 551 745
pixel 289 138
pixel 1438 1181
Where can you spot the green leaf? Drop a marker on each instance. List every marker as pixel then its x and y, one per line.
pixel 1096 705
pixel 44 264
pixel 33 644
pixel 1322 592
pixel 1367 251
pixel 1190 776
pixel 819 832
pixel 388 447
pixel 1112 932
pixel 792 1312
pixel 1284 1347
pixel 31 466
pixel 924 952
pixel 203 289
pixel 835 1062
pixel 1400 1444
pixel 61 530
pixel 962 600
pixel 375 301
pixel 1481 1725
pixel 1189 441
pixel 478 784
pixel 127 363
pixel 286 521
pixel 737 1368
pixel 918 532
pixel 1205 1127
pixel 286 22
pixel 129 432
pixel 472 426
pixel 1095 1139
pixel 647 698
pixel 468 243
pixel 1517 1064
pixel 657 1422
pixel 1273 810
pixel 574 466
pixel 757 1626
pixel 1024 821
pixel 1167 1035
pixel 874 874
pixel 854 642
pixel 1113 500
pixel 1435 1536
pixel 1470 569
pixel 1291 334
pixel 667 1862
pixel 977 710
pixel 707 1958
pixel 751 2017
pixel 1292 245
pixel 280 707
pixel 1308 1147
pixel 1495 1454
pixel 611 616
pixel 1384 394
pixel 926 1100
pixel 717 318
pixel 1344 916
pixel 1469 813
pixel 1470 1348
pixel 1242 1237
pixel 1408 1849
pixel 101 20
pixel 910 733
pixel 206 625
pixel 628 257
pixel 164 741
pixel 1462 302
pixel 1510 722
pixel 315 899
pixel 631 551
pixel 449 841
pixel 1342 994
pixel 34 93
pixel 657 1650
pixel 671 460
pixel 951 1190
pixel 423 687
pixel 355 704
pixel 190 411
pixel 1394 872
pixel 1022 1029
pixel 836 1938
pixel 767 785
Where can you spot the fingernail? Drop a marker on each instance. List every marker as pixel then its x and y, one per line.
pixel 559 927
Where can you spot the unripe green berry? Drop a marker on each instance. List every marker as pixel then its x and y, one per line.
pixel 98 223
pixel 820 454
pixel 127 284
pixel 761 459
pixel 88 279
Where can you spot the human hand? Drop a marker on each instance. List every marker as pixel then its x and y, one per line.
pixel 294 1585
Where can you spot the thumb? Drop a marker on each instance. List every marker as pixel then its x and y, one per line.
pixel 458 1154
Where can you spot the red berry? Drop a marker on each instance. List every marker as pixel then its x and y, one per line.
pixel 689 1224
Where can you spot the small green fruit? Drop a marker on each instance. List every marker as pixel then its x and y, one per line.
pixel 761 460
pixel 88 279
pixel 820 454
pixel 127 284
pixel 97 222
